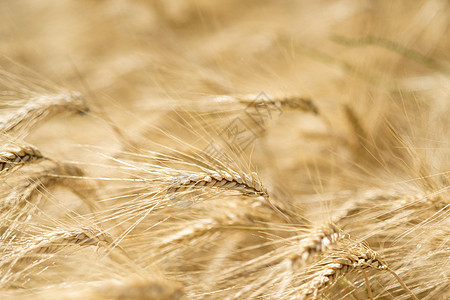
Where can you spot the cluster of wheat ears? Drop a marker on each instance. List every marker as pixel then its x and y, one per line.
pixel 225 150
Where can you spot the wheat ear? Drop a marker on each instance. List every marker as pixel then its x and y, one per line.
pixel 248 185
pixel 40 107
pixel 296 253
pixel 319 240
pixel 85 236
pixel 291 102
pixel 355 123
pixel 18 155
pixel 60 239
pixel 59 175
pixel 139 289
pixel 356 258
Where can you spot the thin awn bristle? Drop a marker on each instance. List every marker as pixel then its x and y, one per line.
pixel 248 185
pixel 18 155
pixel 40 107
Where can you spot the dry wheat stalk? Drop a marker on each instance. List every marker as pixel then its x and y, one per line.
pixel 248 185
pixel 40 107
pixel 18 155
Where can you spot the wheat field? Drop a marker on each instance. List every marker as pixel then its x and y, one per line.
pixel 224 149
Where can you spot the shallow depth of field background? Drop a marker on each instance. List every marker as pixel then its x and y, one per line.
pixel 140 64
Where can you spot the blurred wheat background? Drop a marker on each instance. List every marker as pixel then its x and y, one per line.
pixel 224 149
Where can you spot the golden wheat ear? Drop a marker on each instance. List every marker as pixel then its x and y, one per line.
pixel 228 180
pixel 41 107
pixel 65 175
pixel 16 156
pixel 137 288
pixel 354 257
pixel 30 249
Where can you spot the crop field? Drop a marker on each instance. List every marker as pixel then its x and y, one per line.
pixel 195 149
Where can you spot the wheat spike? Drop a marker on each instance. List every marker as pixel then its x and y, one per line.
pixel 57 240
pixel 355 258
pixel 295 254
pixel 318 241
pixel 139 289
pixel 356 125
pixel 248 185
pixel 18 155
pixel 291 102
pixel 59 175
pixel 40 107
